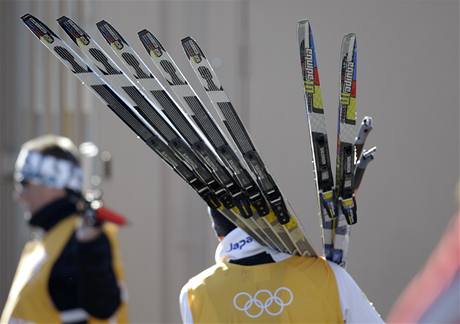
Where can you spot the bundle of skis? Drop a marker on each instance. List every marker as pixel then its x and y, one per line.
pixel 226 171
pixel 337 204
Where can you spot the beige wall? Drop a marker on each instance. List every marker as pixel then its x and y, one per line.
pixel 407 80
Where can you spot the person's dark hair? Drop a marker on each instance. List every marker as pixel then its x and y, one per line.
pixel 57 146
pixel 221 225
pixel 60 153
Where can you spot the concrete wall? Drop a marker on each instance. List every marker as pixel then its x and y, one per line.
pixel 408 68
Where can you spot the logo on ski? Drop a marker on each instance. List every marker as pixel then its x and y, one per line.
pixel 73 30
pixel 38 29
pixel 152 45
pixel 192 50
pixel 309 71
pixel 347 84
pixel 110 34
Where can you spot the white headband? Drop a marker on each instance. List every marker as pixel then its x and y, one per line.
pixel 48 171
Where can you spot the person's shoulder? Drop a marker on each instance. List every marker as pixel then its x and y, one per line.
pixel 110 228
pixel 110 231
pixel 205 276
pixel 339 271
pixel 31 245
pixel 320 266
pixel 344 280
pixel 310 262
pixel 335 267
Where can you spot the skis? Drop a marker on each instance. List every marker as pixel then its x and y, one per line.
pixel 110 73
pixel 226 172
pixel 337 204
pixel 284 227
pixel 192 144
pixel 286 220
pixel 103 91
pixel 121 107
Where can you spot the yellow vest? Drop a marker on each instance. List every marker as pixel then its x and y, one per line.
pixel 296 290
pixel 28 299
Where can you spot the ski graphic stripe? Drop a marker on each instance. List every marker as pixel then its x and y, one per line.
pixel 199 114
pixel 179 120
pixel 239 133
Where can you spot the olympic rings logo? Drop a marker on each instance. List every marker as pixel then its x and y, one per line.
pixel 263 301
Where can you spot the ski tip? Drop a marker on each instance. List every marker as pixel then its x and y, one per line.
pixel 350 35
pixel 38 28
pixel 27 16
pixel 192 50
pixel 349 50
pixel 110 34
pixel 102 22
pixel 303 27
pixel 142 32
pixel 304 22
pixel 188 40
pixel 303 32
pixel 151 43
pixel 62 19
pixel 77 34
pixel 350 39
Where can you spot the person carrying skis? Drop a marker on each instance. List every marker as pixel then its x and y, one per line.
pixel 253 283
pixel 72 272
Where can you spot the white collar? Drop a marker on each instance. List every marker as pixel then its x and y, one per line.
pixel 238 244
